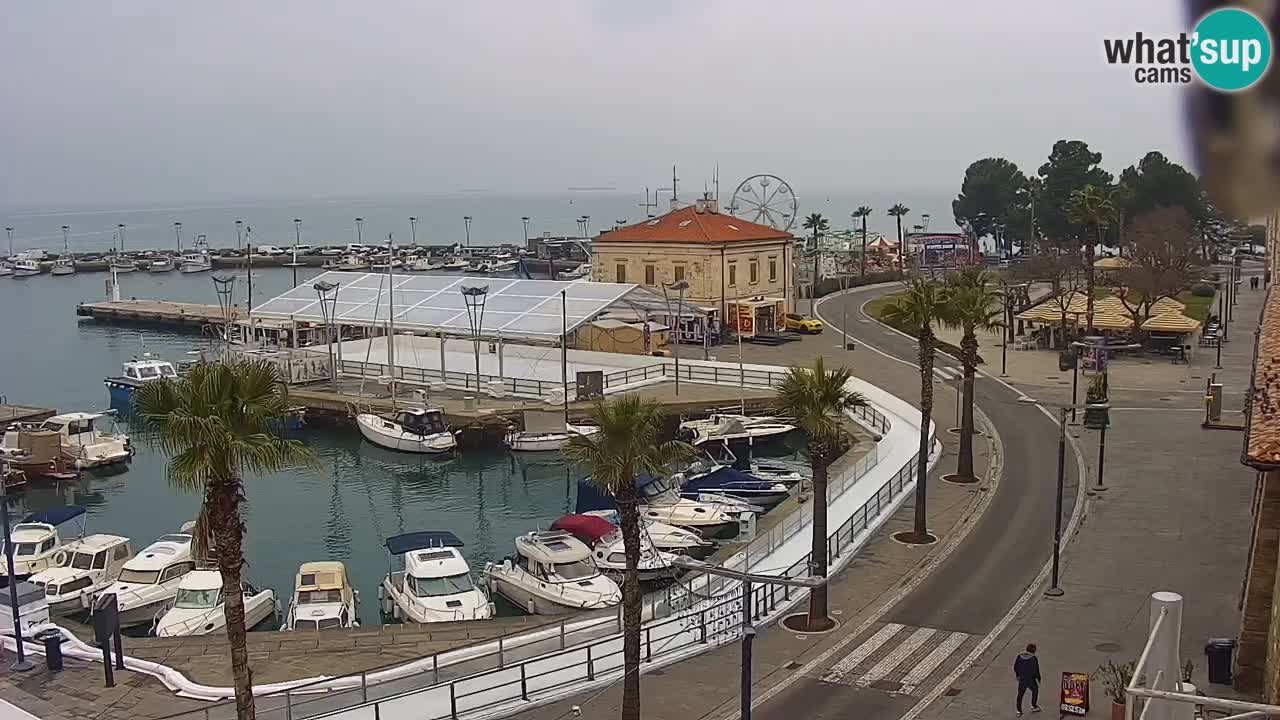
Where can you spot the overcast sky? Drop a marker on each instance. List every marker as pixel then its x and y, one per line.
pixel 150 101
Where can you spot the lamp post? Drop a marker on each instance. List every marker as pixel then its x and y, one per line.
pixel 120 229
pixel 360 231
pixel 177 232
pixel 22 665
pixel 9 231
pixel 474 298
pixel 239 234
pixel 586 226
pixel 297 240
pixel 749 581
pixel 327 292
pixel 466 220
pixel 680 286
pixel 413 230
pixel 525 220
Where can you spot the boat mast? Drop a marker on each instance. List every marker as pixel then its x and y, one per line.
pixel 564 355
pixel 391 322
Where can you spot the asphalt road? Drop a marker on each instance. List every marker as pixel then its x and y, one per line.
pixel 991 568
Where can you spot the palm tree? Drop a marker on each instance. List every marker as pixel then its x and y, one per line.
pixel 817 224
pixel 923 304
pixel 817 398
pixel 627 445
pixel 862 212
pixel 1091 207
pixel 215 424
pixel 899 211
pixel 972 305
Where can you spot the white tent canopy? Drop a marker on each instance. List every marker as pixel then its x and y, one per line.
pixel 532 309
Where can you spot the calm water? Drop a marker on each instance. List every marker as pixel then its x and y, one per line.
pixel 342 510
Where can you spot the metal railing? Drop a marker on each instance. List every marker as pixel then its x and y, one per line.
pixel 523 387
pixel 698 611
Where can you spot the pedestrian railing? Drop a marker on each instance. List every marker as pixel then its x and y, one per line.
pixel 521 387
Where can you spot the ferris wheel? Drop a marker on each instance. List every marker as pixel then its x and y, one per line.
pixel 766 199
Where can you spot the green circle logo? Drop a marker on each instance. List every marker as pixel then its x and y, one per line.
pixel 1232 49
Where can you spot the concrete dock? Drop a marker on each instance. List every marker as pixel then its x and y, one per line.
pixel 22 413
pixel 160 312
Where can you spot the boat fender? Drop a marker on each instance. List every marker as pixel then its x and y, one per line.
pixel 529 607
pixel 60 558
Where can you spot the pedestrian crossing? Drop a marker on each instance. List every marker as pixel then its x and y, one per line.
pixel 946 373
pixel 897 658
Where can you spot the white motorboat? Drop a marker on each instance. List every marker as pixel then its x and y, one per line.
pixel 608 549
pixel 347 262
pixel 382 263
pixel 666 537
pixel 26 268
pixel 708 519
pixel 161 264
pixel 86 445
pixel 134 374
pixel 5 269
pixel 83 568
pixel 723 428
pixel 196 261
pixel 63 266
pixel 455 263
pixel 552 574
pixel 422 264
pixel 501 266
pixel 727 480
pixel 582 271
pixel 533 441
pixel 415 430
pixel 149 581
pixel 36 541
pixel 199 607
pixel 122 265
pixel 322 598
pixel 430 581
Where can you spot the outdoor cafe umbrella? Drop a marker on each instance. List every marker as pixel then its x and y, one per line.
pixel 1171 322
pixel 1111 321
pixel 1111 263
pixel 1167 304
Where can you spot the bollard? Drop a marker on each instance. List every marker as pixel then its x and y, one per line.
pixel 591 668
pixel 1165 657
pixel 435 669
pixel 524 687
pixel 364 688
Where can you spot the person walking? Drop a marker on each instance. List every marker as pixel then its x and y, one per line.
pixel 1027 669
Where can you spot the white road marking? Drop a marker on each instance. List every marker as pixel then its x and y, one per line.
pixel 886 665
pixel 931 662
pixel 861 653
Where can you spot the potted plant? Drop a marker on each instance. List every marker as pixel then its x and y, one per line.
pixel 1115 678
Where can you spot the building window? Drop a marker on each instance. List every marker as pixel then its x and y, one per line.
pixel 679 273
pixel 733 274
pixel 754 272
pixel 648 275
pixel 773 270
pixel 622 273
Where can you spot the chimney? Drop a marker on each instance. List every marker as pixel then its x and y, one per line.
pixel 700 205
pixel 711 203
pixel 675 204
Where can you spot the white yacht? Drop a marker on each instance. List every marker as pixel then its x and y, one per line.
pixel 552 574
pixel 36 541
pixel 26 268
pixel 322 598
pixel 149 580
pixel 199 608
pixel 85 444
pixel 665 537
pixel 723 428
pixel 136 373
pixel 430 581
pixel 608 551
pixel 196 261
pixel 414 430
pixel 83 569
pixel 63 266
pixel 533 441
pixel 5 269
pixel 708 519
pixel 162 264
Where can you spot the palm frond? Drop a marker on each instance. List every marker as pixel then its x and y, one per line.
pixel 626 445
pixel 815 398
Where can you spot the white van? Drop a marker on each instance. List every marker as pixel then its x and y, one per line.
pixel 269 250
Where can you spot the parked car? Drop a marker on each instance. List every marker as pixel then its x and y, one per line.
pixel 268 250
pixel 302 249
pixel 357 248
pixel 800 323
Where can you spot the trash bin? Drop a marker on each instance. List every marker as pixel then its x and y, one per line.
pixel 52 641
pixel 1219 651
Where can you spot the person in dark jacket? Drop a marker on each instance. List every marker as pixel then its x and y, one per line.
pixel 1027 669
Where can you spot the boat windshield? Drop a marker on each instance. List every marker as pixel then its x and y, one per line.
pixel 139 577
pixel 319 596
pixel 423 424
pixel 24 548
pixel 574 570
pixel 433 587
pixel 82 561
pixel 321 624
pixel 197 599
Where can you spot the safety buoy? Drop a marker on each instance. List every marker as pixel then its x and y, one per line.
pixel 60 558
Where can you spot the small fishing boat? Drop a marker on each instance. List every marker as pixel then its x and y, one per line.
pixel 149 581
pixel 501 266
pixel 63 266
pixel 26 268
pixel 381 263
pixel 5 269
pixel 134 374
pixel 720 428
pixel 552 574
pixel 36 541
pixel 534 441
pixel 608 551
pixel 199 607
pixel 347 262
pixel 429 581
pixel 85 444
pixel 414 430
pixel 422 264
pixel 36 452
pixel 666 537
pixel 322 598
pixel 196 261
pixel 122 265
pixel 82 568
pixel 455 263
pixel 161 264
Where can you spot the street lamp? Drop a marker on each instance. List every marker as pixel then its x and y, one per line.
pixel 360 231
pixel 1054 590
pixel 224 286
pixel 9 231
pixel 177 232
pixel 297 240
pixel 924 220
pixel 679 285
pixel 120 228
pixel 466 220
pixel 525 220
pixel 474 298
pixel 327 292
pixel 749 580
pixel 239 234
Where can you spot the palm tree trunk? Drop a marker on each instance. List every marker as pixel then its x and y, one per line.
pixel 629 519
pixel 926 416
pixel 818 546
pixel 902 250
pixel 224 499
pixel 864 246
pixel 968 357
pixel 1088 274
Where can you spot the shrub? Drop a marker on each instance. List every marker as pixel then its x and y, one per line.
pixel 1202 290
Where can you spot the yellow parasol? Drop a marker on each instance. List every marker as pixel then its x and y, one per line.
pixel 1109 321
pixel 1166 305
pixel 1111 263
pixel 1043 313
pixel 1171 322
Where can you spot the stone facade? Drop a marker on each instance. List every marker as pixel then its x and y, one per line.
pixel 1256 654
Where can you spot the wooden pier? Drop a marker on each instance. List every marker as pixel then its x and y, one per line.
pixel 22 413
pixel 155 312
